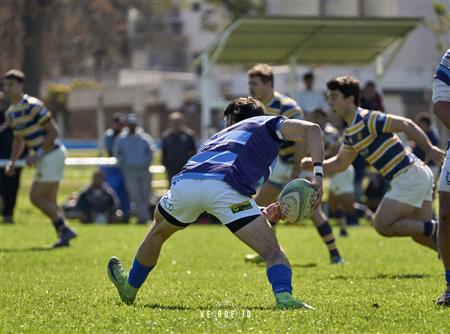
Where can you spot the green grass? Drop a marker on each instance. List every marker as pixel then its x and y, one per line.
pixel 386 285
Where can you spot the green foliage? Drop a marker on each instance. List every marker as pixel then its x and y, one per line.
pixel 441 26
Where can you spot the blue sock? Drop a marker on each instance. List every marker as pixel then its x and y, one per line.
pixel 138 274
pixel 447 276
pixel 280 276
pixel 351 220
pixel 429 228
pixel 59 224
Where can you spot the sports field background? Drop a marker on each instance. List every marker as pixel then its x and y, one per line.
pixel 385 286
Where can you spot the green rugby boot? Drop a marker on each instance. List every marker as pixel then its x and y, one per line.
pixel 119 276
pixel 285 300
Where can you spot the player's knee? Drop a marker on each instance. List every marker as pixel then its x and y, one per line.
pixel 35 199
pixel 444 216
pixel 382 229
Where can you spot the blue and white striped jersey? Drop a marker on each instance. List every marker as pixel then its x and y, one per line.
pixel 241 155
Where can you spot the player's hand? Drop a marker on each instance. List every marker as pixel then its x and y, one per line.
pixel 436 155
pixel 273 212
pixel 10 169
pixel 32 160
pixel 307 163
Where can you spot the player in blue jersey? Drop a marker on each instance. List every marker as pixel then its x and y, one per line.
pixel 221 180
pixel 406 209
pixel 441 107
pixel 34 126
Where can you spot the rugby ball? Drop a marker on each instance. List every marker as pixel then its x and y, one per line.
pixel 295 200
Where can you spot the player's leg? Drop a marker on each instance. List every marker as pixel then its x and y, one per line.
pixel 444 224
pixel 406 209
pixel 325 231
pixel 259 236
pixel 44 196
pixel 176 210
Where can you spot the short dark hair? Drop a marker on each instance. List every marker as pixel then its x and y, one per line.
pixel 320 111
pixel 263 71
pixel 243 108
pixel 371 83
pixel 347 85
pixel 14 74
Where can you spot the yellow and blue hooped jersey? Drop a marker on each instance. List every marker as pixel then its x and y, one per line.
pixel 369 136
pixel 443 69
pixel 282 105
pixel 26 119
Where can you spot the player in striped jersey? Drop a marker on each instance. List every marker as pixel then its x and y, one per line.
pixel 288 164
pixel 34 126
pixel 441 107
pixel 406 209
pixel 220 180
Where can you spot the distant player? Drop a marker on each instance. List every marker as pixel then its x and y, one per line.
pixel 341 198
pixel 406 209
pixel 34 126
pixel 221 180
pixel 288 165
pixel 441 107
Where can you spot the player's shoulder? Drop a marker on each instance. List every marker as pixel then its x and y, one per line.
pixel 32 101
pixel 286 102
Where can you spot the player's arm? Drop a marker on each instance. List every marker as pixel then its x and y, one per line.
pixel 299 153
pixel 51 133
pixel 416 134
pixel 335 164
pixel 442 110
pixel 298 130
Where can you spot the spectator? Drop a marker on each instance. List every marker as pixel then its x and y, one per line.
pixel 113 175
pixel 310 99
pixel 178 145
pixel 118 123
pixel 9 185
pixel 370 98
pixel 134 152
pixel 98 203
pixel 423 120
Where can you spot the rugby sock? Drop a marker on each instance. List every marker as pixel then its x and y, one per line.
pixel 138 274
pixel 326 233
pixel 363 211
pixel 59 225
pixel 430 228
pixel 447 277
pixel 352 220
pixel 280 276
pixel 336 214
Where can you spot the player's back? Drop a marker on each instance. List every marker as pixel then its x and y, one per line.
pixel 240 155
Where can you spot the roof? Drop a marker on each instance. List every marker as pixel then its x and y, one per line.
pixel 310 40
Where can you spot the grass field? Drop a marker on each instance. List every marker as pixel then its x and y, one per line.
pixel 202 284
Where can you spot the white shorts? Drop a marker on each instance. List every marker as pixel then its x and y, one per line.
pixel 188 198
pixel 441 91
pixel 50 168
pixel 281 173
pixel 444 181
pixel 343 182
pixel 413 186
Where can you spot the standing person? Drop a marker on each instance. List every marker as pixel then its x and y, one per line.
pixel 177 145
pixel 110 135
pixel 288 164
pixel 134 152
pixel 441 107
pixel 370 98
pixel 406 209
pixel 221 180
pixel 9 185
pixel 423 120
pixel 113 174
pixel 34 126
pixel 310 98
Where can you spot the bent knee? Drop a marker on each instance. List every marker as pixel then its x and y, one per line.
pixel 383 229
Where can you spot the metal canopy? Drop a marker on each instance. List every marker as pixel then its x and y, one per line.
pixel 302 40
pixel 275 40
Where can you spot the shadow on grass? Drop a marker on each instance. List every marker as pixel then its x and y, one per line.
pixel 295 265
pixel 401 276
pixel 29 249
pixel 190 308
